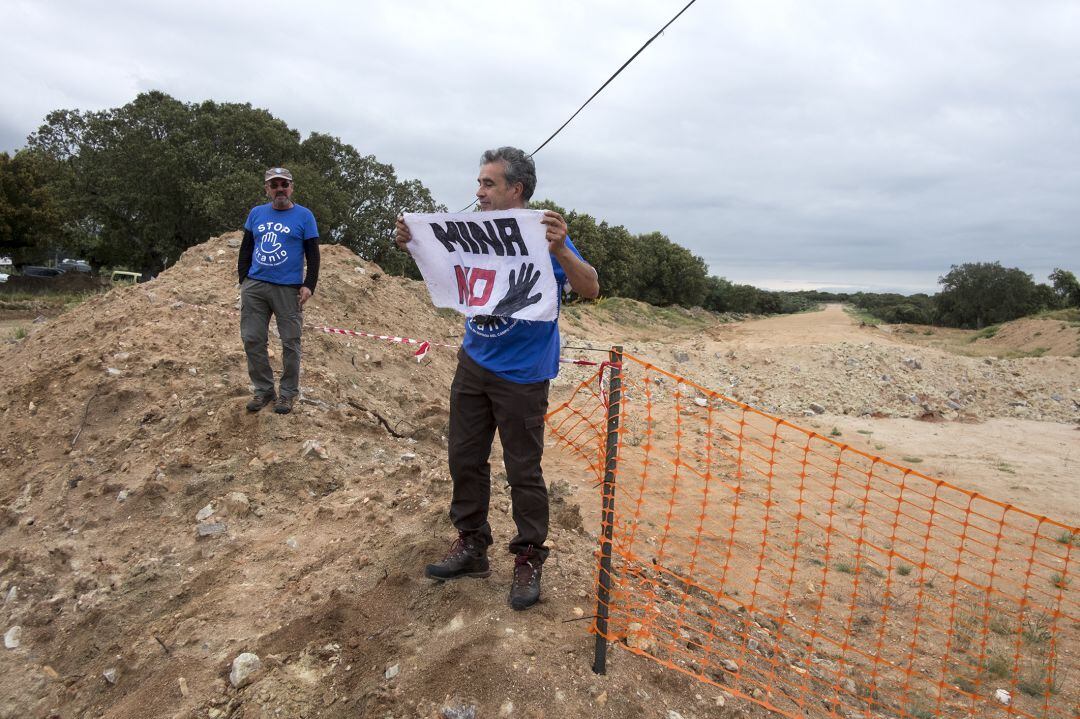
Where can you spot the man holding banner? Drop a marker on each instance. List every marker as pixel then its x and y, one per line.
pixel 505 269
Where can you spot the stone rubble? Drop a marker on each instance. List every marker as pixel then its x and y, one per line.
pixel 244 668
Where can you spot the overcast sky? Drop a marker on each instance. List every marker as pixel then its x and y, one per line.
pixel 855 145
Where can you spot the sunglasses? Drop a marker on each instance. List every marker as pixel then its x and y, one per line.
pixel 275 184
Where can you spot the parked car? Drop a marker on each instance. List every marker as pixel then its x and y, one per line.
pixel 123 276
pixel 75 266
pixel 35 271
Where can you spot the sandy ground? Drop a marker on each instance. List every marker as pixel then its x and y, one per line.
pixel 1033 464
pixel 828 326
pixel 1004 475
pixel 124 436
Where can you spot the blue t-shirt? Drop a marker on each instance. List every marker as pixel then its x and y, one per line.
pixel 521 351
pixel 279 235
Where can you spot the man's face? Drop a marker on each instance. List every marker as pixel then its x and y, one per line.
pixel 280 190
pixel 493 192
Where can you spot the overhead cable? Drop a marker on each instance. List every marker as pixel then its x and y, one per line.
pixel 608 82
pixel 601 89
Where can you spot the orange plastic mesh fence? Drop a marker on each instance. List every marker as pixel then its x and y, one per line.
pixel 817 580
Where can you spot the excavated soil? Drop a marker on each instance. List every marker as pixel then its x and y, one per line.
pixel 125 438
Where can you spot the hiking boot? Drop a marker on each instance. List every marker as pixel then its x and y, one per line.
pixel 259 401
pixel 284 404
pixel 525 589
pixel 463 560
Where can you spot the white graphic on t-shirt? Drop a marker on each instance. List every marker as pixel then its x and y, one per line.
pixel 270 252
pixel 490 326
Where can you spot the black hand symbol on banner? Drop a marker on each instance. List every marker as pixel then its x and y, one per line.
pixel 517 294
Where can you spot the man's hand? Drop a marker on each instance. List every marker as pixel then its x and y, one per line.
pixel 402 235
pixel 556 231
pixel 517 294
pixel 580 274
pixel 304 295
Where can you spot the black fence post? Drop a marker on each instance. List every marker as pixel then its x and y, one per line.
pixel 607 525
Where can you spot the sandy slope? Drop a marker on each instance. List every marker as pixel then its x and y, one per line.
pixel 124 417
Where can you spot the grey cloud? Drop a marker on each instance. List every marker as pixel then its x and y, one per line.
pixel 823 143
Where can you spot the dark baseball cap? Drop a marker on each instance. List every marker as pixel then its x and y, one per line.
pixel 274 172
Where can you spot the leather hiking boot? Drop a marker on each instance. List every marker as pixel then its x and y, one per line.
pixel 463 560
pixel 284 404
pixel 525 589
pixel 259 401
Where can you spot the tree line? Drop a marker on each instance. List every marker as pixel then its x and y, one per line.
pixel 974 295
pixel 651 268
pixel 137 185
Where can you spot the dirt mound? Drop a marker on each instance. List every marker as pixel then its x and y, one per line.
pixel 1027 337
pixel 1036 337
pixel 823 363
pixel 151 529
pixel 616 320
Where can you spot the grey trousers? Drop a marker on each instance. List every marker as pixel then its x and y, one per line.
pixel 259 300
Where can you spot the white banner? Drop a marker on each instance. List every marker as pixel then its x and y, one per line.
pixel 486 263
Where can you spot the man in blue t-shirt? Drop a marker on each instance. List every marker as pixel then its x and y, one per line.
pixel 280 237
pixel 504 368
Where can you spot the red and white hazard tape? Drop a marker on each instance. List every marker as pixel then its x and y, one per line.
pixel 422 345
pixel 419 354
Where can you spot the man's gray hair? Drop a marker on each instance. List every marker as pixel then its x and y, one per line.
pixel 518 167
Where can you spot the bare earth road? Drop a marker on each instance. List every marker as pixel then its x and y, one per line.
pixel 829 326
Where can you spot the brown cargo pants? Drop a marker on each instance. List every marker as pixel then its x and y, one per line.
pixel 480 403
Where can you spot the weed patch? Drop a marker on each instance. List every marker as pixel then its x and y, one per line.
pixel 863 317
pixel 985 333
pixel 1067 537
